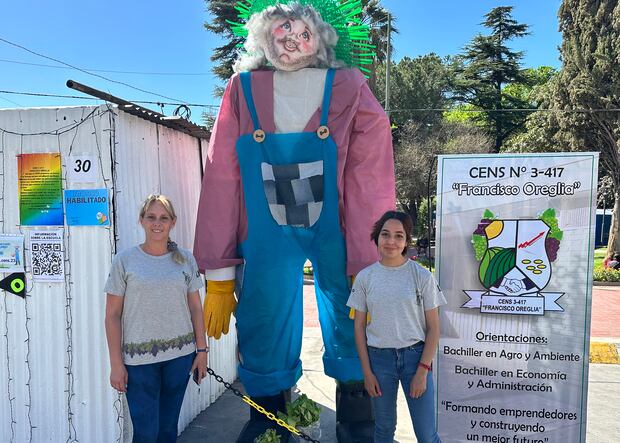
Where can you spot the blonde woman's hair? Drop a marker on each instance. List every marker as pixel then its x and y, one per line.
pixel 177 256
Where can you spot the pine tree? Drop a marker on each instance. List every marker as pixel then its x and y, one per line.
pixel 223 56
pixel 486 66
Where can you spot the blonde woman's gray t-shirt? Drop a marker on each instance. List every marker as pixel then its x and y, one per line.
pixel 156 321
pixel 397 310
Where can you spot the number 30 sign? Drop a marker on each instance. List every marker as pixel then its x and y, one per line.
pixel 83 169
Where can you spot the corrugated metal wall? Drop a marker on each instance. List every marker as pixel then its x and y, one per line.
pixel 54 364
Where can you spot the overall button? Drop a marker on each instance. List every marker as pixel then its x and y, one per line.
pixel 259 136
pixel 322 132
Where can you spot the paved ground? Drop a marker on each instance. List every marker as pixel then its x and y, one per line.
pixel 605 312
pixel 223 420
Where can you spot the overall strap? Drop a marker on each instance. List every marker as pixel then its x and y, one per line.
pixel 246 84
pixel 327 95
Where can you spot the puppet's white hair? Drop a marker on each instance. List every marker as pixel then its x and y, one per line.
pixel 259 26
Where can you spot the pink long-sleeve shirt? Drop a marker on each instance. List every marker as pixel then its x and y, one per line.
pixel 365 170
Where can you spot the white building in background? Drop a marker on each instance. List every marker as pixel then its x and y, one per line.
pixel 54 366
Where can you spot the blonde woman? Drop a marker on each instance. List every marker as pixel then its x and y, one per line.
pixel 154 325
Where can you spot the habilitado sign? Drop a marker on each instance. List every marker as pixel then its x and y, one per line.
pixel 515 243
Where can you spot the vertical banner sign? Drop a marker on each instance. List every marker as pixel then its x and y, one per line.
pixel 87 207
pixel 11 253
pixel 47 259
pixel 40 189
pixel 515 246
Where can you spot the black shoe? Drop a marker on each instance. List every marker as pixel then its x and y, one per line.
pixel 259 423
pixel 355 422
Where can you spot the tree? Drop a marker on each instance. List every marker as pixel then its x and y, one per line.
pixel 485 67
pixel 376 17
pixel 223 12
pixel 532 137
pixel 529 93
pixel 415 157
pixel 419 83
pixel 224 56
pixel 579 105
pixel 590 80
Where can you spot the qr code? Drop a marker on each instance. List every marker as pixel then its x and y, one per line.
pixel 46 259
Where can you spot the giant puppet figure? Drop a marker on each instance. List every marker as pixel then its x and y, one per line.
pixel 299 166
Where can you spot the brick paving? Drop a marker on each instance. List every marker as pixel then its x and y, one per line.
pixel 605 312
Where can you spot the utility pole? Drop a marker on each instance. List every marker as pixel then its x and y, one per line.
pixel 387 66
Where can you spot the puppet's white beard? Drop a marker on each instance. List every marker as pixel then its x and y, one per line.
pixel 300 63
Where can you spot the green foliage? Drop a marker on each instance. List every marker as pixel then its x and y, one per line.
pixel 535 79
pixel 224 56
pixel 488 215
pixel 269 436
pixel 606 275
pixel 480 245
pixel 421 227
pixel 302 412
pixel 548 216
pixel 483 70
pixel 425 262
pixel 464 113
pixel 416 85
pixel 599 256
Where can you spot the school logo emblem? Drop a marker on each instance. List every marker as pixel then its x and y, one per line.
pixel 515 264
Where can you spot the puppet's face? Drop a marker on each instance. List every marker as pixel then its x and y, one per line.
pixel 292 45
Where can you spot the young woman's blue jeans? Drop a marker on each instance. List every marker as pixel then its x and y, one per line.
pixel 155 394
pixel 392 366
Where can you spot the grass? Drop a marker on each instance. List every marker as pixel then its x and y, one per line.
pixel 599 256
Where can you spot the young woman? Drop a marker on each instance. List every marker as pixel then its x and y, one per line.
pixel 154 325
pixel 399 342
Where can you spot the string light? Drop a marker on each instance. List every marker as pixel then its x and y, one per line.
pixel 69 367
pixel 9 378
pixel 117 405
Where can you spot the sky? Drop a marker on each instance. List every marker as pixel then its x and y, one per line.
pixel 162 47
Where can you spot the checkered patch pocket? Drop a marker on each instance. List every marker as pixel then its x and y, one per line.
pixel 294 192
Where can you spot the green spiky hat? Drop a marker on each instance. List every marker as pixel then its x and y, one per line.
pixel 353 47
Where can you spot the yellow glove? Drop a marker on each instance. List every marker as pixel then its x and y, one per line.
pixel 352 315
pixel 352 310
pixel 220 303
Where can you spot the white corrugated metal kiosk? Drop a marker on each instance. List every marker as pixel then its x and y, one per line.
pixel 54 364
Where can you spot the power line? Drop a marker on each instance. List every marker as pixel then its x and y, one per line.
pixel 11 101
pixel 202 105
pixel 106 70
pixel 567 111
pixel 79 97
pixel 87 72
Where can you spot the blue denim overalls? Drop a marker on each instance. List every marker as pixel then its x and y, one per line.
pixel 291 198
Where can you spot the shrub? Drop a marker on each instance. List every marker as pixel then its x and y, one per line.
pixel 269 436
pixel 606 275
